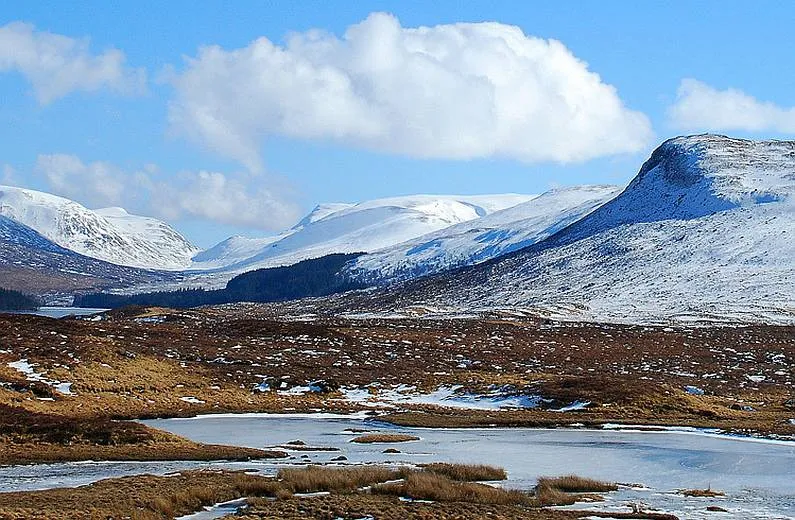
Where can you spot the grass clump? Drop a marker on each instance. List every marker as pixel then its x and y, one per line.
pixel 318 478
pixel 702 493
pixel 439 488
pixel 466 472
pixel 576 484
pixel 384 437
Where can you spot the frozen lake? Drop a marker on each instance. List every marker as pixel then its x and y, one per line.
pixel 61 312
pixel 757 476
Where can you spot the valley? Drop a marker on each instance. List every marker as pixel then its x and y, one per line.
pixel 581 327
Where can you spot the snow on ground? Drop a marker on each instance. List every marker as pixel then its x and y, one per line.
pixel 29 371
pixel 348 228
pixel 191 399
pixel 477 240
pixel 445 396
pixel 703 233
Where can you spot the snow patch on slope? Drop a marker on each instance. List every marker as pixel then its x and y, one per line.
pixel 231 251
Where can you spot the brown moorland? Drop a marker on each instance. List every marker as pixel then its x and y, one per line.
pixel 154 498
pixel 140 363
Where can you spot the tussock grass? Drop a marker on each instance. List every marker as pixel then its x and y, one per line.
pixel 549 496
pixel 439 488
pixel 143 497
pixel 466 472
pixel 319 478
pixel 576 484
pixel 702 493
pixel 384 437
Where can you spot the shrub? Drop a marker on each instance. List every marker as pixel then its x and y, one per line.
pixel 576 484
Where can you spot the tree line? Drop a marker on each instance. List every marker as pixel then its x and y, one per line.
pixel 314 277
pixel 16 301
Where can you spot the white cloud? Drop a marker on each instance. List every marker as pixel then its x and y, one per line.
pixel 220 198
pixel 239 200
pixel 57 65
pixel 8 176
pixel 95 184
pixel 701 107
pixel 457 91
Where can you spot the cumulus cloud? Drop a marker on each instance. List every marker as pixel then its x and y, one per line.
pixel 240 200
pixel 458 91
pixel 96 184
pixel 57 65
pixel 700 106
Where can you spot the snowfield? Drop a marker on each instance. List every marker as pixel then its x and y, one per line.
pixel 705 231
pixel 347 228
pixel 481 239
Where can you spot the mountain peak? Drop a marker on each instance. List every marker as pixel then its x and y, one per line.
pixel 109 234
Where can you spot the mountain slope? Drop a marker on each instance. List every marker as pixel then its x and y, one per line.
pixel 705 231
pixel 364 227
pixel 111 234
pixel 478 240
pixel 31 263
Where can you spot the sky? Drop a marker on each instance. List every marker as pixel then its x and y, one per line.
pixel 238 117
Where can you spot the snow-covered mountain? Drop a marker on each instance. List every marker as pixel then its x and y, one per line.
pixel 231 251
pixel 705 231
pixel 109 234
pixel 481 239
pixel 364 227
pixel 32 263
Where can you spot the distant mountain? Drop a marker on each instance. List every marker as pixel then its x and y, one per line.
pixel 31 263
pixel 231 251
pixel 348 228
pixel 108 234
pixel 481 239
pixel 705 231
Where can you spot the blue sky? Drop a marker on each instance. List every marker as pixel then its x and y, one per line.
pixel 115 140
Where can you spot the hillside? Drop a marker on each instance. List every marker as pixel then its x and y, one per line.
pixel 704 232
pixel 348 228
pixel 31 263
pixel 475 241
pixel 111 234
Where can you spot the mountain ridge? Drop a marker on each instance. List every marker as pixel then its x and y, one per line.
pixel 108 234
pixel 703 230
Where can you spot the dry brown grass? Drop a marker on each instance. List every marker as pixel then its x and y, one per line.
pixel 466 472
pixel 318 478
pixel 384 437
pixel 142 497
pixel 576 484
pixel 702 493
pixel 430 486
